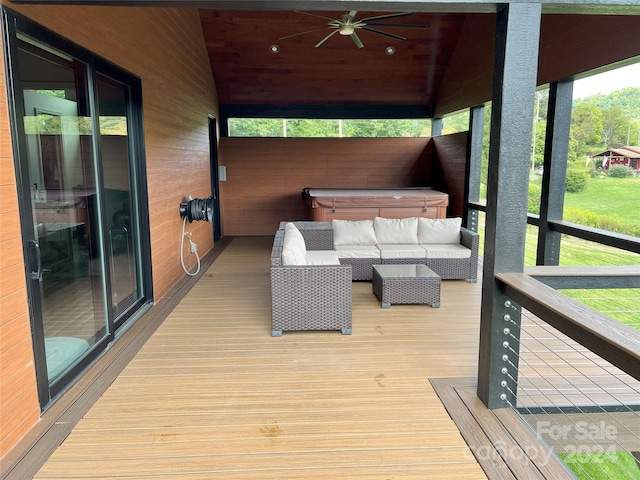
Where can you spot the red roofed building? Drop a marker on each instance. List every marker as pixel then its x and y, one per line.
pixel 626 155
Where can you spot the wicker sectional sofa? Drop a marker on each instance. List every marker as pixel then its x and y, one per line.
pixel 309 297
pixel 314 263
pixel 443 245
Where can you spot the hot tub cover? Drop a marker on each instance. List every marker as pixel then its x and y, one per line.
pixel 364 197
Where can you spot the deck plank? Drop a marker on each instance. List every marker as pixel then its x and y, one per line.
pixel 212 395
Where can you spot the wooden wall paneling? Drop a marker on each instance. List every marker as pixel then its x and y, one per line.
pixel 451 154
pixel 265 176
pixel 165 48
pixel 178 93
pixel 19 408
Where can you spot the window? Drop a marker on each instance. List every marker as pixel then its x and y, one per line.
pixel 281 127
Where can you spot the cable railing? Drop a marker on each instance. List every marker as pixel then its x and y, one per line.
pixel 585 408
pixel 572 349
pixel 621 303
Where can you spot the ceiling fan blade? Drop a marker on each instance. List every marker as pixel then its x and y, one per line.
pixel 302 33
pixel 356 40
pixel 314 15
pixel 352 14
pixel 400 25
pixel 390 15
pixel 326 38
pixel 380 32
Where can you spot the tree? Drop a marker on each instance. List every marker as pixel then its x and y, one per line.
pixel 312 128
pixel 458 122
pixel 614 127
pixel 586 129
pixel 255 127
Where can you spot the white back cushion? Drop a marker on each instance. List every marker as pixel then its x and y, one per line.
pixel 396 230
pixel 359 232
pixel 446 250
pixel 294 250
pixel 322 257
pixel 439 230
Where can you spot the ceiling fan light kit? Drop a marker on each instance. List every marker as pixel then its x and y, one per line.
pixel 347 25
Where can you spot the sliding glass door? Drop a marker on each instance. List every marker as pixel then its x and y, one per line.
pixel 119 193
pixel 76 130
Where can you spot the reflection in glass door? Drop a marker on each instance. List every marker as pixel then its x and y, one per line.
pixel 64 206
pixel 77 131
pixel 118 189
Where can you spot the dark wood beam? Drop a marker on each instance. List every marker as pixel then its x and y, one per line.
pixel 604 237
pixel 470 6
pixel 326 111
pixel 514 85
pixel 604 277
pixel 554 176
pixel 612 340
pixel 473 171
pixel 574 7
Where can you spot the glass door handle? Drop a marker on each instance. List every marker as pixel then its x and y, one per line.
pixel 34 259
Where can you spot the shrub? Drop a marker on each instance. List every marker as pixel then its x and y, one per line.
pixel 533 202
pixel 576 181
pixel 618 171
pixel 596 172
pixel 603 222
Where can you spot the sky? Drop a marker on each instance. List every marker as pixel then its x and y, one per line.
pixel 604 83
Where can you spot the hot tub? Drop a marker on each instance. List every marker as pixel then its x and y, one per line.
pixel 362 204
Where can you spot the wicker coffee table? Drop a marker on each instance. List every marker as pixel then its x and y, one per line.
pixel 406 284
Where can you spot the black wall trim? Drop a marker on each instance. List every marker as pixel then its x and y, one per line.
pixel 379 112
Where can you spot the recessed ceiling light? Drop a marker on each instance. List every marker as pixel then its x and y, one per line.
pixel 390 50
pixel 274 48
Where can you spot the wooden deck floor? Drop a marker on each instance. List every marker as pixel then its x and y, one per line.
pixel 213 395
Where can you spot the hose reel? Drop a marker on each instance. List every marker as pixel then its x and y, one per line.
pixel 197 209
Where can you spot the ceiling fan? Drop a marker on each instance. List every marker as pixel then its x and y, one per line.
pixel 347 25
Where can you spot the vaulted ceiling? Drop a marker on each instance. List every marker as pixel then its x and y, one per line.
pixel 337 72
pixel 444 64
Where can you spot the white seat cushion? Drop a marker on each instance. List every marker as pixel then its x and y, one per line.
pixel 357 251
pixel 439 230
pixel 446 250
pixel 396 230
pixel 294 250
pixel 359 232
pixel 401 251
pixel 322 257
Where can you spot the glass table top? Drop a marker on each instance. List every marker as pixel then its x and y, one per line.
pixel 407 271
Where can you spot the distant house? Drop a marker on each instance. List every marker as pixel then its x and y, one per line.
pixel 626 155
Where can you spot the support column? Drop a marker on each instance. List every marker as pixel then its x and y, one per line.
pixel 474 165
pixel 514 84
pixel 436 127
pixel 554 176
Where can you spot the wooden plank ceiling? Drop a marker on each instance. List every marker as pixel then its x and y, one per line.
pixel 337 72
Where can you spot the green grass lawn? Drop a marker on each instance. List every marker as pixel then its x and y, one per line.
pixel 621 304
pixel 617 197
pixel 606 202
pixel 605 466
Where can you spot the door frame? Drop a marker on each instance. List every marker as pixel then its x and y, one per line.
pixel 215 177
pixel 13 23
